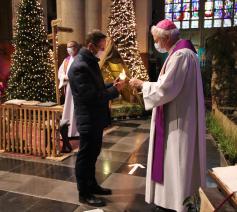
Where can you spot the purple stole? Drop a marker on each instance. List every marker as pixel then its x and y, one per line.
pixel 157 174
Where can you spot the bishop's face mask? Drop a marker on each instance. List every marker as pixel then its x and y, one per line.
pixel 159 49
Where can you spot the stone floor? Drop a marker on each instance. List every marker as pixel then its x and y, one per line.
pixel 41 185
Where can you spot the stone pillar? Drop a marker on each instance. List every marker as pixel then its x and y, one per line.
pixel 59 11
pixel 92 15
pixel 105 13
pixel 73 16
pixel 143 11
pixel 15 4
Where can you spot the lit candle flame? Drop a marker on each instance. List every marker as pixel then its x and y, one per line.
pixel 122 75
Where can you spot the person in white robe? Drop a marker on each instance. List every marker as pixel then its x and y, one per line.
pixel 176 165
pixel 68 122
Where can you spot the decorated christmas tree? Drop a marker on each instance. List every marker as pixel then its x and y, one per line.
pixel 32 76
pixel 122 30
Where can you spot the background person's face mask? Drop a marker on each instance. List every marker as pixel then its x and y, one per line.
pixel 159 49
pixel 70 51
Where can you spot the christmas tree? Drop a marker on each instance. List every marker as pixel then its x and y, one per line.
pixel 122 30
pixel 32 76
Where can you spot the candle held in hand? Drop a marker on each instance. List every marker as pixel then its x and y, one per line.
pixel 122 75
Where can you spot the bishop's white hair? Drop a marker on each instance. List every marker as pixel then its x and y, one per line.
pixel 172 34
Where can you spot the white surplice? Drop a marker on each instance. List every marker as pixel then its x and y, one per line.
pixel 179 89
pixel 68 109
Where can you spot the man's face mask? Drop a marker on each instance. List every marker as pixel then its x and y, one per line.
pixel 99 53
pixel 159 49
pixel 70 51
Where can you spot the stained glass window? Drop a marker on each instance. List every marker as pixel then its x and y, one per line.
pixel 220 13
pixel 217 13
pixel 184 13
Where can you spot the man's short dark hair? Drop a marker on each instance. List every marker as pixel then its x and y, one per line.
pixel 95 37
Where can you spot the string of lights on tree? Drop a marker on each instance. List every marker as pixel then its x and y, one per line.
pixel 122 30
pixel 32 76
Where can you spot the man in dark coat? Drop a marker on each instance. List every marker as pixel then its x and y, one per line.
pixel 91 97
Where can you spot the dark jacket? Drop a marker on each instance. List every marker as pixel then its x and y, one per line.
pixel 90 94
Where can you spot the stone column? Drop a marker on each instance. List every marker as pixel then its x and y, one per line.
pixel 143 12
pixel 143 20
pixel 59 11
pixel 105 13
pixel 73 16
pixel 15 4
pixel 92 15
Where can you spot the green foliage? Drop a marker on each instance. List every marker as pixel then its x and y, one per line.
pixel 32 76
pixel 206 78
pixel 125 109
pixel 221 50
pixel 192 203
pixel 222 46
pixel 226 144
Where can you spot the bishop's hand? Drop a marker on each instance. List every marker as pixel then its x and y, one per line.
pixel 136 83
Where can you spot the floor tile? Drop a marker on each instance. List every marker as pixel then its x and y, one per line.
pixel 138 204
pixel 125 169
pixel 45 205
pixel 138 158
pixel 11 181
pixel 113 155
pixel 146 126
pixel 139 137
pixel 2 193
pixel 143 149
pixel 70 160
pixel 111 139
pixel 123 147
pixel 100 177
pixel 126 124
pixel 83 208
pixel 135 141
pixel 60 172
pixel 66 192
pixel 12 202
pixel 31 168
pixel 210 182
pixel 118 133
pixel 38 186
pixel 125 184
pixel 107 167
pixel 107 145
pixel 126 129
pixel 142 130
pixel 7 164
pixel 213 156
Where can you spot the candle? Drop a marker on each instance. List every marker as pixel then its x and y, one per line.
pixel 122 75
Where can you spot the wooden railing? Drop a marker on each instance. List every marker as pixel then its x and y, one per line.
pixel 30 130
